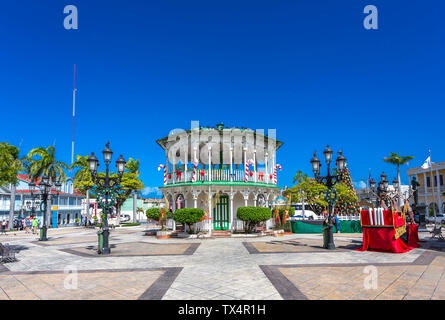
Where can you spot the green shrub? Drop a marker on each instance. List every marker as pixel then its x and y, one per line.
pixel 188 216
pixel 252 216
pixel 155 213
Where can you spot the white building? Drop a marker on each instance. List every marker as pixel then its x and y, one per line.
pixel 222 180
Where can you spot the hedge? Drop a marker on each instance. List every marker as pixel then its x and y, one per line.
pixel 252 216
pixel 188 216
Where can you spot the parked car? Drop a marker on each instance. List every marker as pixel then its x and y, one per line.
pixel 125 217
pixel 308 214
pixel 440 219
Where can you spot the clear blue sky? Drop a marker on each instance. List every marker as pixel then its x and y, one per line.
pixel 307 68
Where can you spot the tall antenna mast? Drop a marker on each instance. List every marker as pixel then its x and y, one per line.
pixel 74 114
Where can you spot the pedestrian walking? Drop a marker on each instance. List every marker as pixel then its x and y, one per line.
pixel 337 222
pixel 28 225
pixel 35 224
pixel 4 226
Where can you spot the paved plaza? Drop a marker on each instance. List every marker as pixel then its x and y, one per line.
pixel 272 268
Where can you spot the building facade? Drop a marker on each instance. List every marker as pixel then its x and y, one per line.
pixel 431 187
pixel 66 207
pixel 218 170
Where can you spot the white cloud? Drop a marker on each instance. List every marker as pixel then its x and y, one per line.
pixel 152 190
pixel 359 185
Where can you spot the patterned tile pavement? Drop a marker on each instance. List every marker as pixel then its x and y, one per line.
pixel 142 267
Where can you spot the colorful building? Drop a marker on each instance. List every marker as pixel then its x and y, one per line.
pixel 66 207
pixel 431 187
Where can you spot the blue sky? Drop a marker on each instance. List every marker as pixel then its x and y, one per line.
pixel 307 68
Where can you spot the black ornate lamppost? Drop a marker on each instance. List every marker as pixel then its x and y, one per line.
pixel 106 194
pixel 45 186
pixel 329 181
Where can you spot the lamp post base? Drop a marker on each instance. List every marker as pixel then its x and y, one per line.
pixel 43 234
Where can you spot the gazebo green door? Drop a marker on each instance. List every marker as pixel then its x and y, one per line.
pixel 221 214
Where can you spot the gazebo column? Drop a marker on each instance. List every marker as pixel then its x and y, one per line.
pixel 245 196
pixel 254 166
pixel 231 196
pixel 173 173
pixel 231 164
pixel 266 166
pixel 210 212
pixel 173 209
pixel 195 199
pixel 210 164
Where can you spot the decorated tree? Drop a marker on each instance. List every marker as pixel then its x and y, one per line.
pixel 347 204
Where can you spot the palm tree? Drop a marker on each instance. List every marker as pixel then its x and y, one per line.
pixel 43 162
pixel 11 165
pixel 83 174
pixel 394 158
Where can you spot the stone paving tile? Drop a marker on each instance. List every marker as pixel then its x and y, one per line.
pixel 219 269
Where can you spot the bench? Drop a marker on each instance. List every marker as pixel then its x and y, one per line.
pixel 437 232
pixel 8 253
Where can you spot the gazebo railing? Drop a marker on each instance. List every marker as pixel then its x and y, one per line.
pixel 237 175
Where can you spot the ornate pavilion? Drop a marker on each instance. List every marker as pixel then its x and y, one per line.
pixel 218 170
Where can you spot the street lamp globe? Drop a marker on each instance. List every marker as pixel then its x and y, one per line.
pixel 315 164
pixel 45 180
pixel 328 154
pixel 341 162
pixel 32 186
pixel 107 153
pixel 120 165
pixel 395 183
pixel 58 186
pixel 93 163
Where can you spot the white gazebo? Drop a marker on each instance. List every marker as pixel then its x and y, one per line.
pixel 219 169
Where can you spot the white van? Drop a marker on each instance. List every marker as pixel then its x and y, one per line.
pixel 308 214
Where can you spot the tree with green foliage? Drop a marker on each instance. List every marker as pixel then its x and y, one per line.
pixel 396 159
pixel 42 161
pixel 188 216
pixel 308 189
pixel 10 166
pixel 159 215
pixel 314 193
pixel 252 216
pixel 83 182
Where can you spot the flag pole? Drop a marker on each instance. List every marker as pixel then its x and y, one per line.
pixel 74 114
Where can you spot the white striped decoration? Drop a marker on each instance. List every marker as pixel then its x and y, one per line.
pixel 165 172
pixel 275 172
pixel 371 213
pixel 194 171
pixel 246 173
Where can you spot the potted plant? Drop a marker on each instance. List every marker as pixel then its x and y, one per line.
pixel 77 221
pixel 161 215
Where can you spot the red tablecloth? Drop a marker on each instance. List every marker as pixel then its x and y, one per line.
pixel 413 236
pixel 382 239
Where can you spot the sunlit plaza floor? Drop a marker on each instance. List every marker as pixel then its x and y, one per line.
pixel 293 266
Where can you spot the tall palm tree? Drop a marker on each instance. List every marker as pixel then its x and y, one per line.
pixel 42 161
pixel 11 165
pixel 394 158
pixel 82 174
